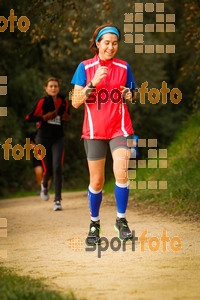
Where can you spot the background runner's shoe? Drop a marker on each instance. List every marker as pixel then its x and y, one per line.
pixel 57 205
pixel 44 192
pixel 93 235
pixel 121 226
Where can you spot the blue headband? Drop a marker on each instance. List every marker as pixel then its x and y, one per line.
pixel 107 30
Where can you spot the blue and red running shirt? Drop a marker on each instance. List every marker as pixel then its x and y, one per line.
pixel 110 119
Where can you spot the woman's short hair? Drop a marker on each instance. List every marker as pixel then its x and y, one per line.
pixel 52 79
pixel 93 46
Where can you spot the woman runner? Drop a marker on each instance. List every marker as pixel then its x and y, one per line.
pixel 103 83
pixel 50 112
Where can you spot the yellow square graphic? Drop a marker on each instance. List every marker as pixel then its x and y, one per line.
pixel 3 90
pixel 170 48
pixel 160 18
pixel 139 38
pixel 128 17
pixel 131 174
pixel 3 222
pixel 138 27
pixel 128 38
pixel 3 112
pixel 128 27
pixel 142 185
pixel 162 153
pixel 130 143
pixel 149 7
pixel 162 185
pixel 139 49
pixel 138 17
pixel 163 164
pixel 138 7
pixel 149 48
pixel 132 184
pixel 170 28
pixel 152 142
pixel 141 142
pixel 152 153
pixel 159 27
pixel 3 232
pixel 3 79
pixel 132 164
pixel 142 164
pixel 133 153
pixel 170 17
pixel 134 143
pixel 159 7
pixel 149 28
pixel 152 185
pixel 152 164
pixel 160 49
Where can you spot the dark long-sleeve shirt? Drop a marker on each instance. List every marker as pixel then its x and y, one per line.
pixel 51 129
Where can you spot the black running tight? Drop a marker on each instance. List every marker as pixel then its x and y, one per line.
pixel 52 163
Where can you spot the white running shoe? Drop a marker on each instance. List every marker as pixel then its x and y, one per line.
pixel 44 194
pixel 57 205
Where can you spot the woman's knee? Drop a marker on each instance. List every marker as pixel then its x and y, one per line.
pixel 120 170
pixel 121 176
pixel 97 183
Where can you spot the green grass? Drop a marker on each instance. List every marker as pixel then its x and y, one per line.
pixel 182 173
pixel 14 287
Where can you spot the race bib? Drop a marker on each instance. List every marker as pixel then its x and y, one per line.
pixel 56 121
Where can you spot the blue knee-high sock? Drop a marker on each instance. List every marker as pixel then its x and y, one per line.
pixel 121 195
pixel 94 200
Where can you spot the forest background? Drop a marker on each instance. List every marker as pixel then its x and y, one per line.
pixel 57 41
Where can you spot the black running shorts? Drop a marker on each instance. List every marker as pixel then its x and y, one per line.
pixel 97 149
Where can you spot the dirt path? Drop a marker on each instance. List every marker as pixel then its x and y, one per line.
pixel 38 245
